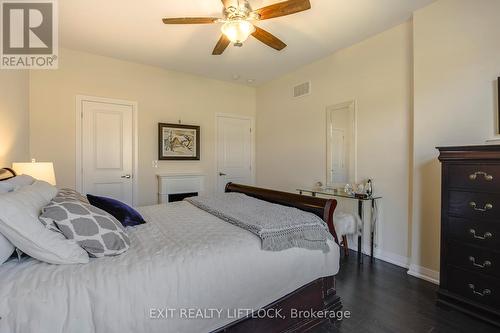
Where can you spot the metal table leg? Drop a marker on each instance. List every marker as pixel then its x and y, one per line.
pixel 360 236
pixel 372 230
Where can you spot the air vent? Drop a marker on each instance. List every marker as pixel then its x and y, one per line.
pixel 302 89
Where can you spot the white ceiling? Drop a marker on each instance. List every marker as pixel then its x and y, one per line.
pixel 132 30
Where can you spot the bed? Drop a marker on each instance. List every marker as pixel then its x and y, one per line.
pixel 186 271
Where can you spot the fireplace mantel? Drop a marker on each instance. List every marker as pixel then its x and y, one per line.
pixel 179 183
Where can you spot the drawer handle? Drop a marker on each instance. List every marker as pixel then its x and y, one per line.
pixel 485 264
pixel 487 207
pixel 485 236
pixel 487 177
pixel 485 292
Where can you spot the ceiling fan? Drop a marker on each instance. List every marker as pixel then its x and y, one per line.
pixel 238 18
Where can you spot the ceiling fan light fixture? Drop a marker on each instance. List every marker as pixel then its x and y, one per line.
pixel 238 31
pixel 238 18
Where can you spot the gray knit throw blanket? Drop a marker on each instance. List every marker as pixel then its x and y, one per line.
pixel 279 227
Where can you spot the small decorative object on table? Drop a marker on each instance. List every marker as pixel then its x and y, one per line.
pixel 369 187
pixel 318 185
pixel 348 189
pixel 178 142
pixel 364 191
pixel 360 189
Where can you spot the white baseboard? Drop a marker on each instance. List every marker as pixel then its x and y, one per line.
pixel 424 273
pixel 402 261
pixel 493 140
pixel 386 256
pixel 392 258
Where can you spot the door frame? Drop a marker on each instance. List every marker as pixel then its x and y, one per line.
pixel 252 142
pixel 79 137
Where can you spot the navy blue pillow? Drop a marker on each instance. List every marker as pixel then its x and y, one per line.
pixel 127 216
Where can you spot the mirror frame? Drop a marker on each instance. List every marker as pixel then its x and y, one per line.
pixel 329 110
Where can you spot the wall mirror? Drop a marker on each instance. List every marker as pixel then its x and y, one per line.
pixel 341 144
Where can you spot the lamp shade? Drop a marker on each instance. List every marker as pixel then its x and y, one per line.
pixel 37 170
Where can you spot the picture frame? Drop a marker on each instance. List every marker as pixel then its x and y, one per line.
pixel 178 142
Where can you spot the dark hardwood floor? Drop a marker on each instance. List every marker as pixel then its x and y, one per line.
pixel 383 298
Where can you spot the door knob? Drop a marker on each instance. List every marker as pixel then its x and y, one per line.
pixel 222 174
pixel 127 176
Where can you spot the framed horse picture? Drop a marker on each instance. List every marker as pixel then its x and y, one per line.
pixel 178 142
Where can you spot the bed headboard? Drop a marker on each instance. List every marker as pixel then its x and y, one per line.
pixel 323 208
pixel 6 173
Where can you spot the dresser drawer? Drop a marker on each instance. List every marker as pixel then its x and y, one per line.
pixel 484 234
pixel 474 205
pixel 474 259
pixel 483 177
pixel 473 286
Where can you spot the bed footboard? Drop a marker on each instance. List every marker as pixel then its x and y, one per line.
pixel 323 208
pixel 318 298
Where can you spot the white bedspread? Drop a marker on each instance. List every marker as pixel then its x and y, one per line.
pixel 183 258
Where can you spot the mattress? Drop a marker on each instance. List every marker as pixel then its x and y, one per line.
pixel 186 271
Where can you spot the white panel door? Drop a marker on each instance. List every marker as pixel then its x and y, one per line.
pixel 107 150
pixel 234 150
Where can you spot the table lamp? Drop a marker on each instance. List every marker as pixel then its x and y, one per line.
pixel 38 170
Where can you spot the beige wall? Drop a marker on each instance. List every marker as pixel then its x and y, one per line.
pixel 457 61
pixel 291 133
pixel 14 117
pixel 162 96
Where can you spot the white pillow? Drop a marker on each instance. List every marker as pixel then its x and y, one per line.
pixel 18 181
pixel 47 191
pixel 6 249
pixel 6 187
pixel 19 223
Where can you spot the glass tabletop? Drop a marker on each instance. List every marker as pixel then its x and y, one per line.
pixel 336 193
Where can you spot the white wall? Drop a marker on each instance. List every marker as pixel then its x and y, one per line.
pixel 291 133
pixel 14 116
pixel 456 64
pixel 163 96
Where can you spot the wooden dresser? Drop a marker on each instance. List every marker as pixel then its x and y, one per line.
pixel 470 230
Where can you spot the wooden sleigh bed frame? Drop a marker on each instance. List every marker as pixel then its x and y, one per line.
pixel 6 173
pixel 317 296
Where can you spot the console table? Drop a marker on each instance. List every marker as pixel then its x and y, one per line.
pixel 361 201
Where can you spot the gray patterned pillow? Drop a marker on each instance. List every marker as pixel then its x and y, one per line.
pixel 96 231
pixel 63 195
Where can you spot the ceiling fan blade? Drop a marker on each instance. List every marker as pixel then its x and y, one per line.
pixel 283 9
pixel 190 20
pixel 268 39
pixel 221 46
